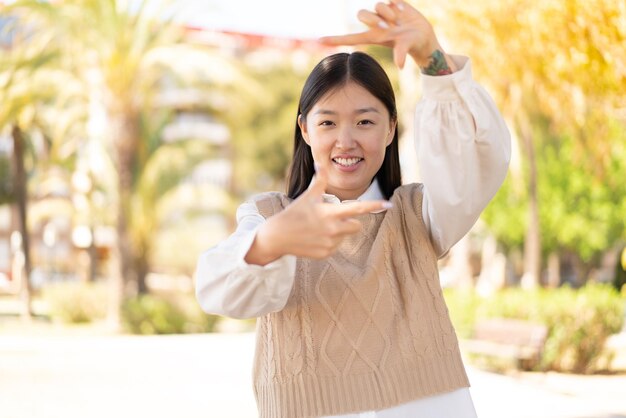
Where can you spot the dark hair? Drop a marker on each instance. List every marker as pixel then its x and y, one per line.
pixel 332 72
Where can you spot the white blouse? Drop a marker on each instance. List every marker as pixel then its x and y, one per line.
pixel 463 148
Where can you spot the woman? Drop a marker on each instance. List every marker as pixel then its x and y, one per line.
pixel 351 317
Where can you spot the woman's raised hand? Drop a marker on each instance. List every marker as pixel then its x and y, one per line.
pixel 400 26
pixel 308 227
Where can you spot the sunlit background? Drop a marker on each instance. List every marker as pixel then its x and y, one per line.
pixel 130 131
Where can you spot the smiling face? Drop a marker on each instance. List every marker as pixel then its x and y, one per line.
pixel 348 130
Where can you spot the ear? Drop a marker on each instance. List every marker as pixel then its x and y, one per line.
pixel 392 131
pixel 303 129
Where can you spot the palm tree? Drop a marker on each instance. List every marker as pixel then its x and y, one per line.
pixel 27 86
pixel 122 51
pixel 165 166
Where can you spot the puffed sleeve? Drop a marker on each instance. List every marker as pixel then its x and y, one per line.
pixel 463 147
pixel 227 285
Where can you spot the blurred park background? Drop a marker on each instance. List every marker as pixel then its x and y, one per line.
pixel 131 130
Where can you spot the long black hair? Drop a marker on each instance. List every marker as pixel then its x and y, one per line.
pixel 333 72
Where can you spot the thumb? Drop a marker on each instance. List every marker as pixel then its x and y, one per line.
pixel 319 183
pixel 399 55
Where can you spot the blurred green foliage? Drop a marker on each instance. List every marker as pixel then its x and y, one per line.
pixel 262 123
pixel 159 314
pixel 76 302
pixel 581 211
pixel 579 321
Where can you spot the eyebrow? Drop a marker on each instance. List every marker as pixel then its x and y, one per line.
pixel 358 111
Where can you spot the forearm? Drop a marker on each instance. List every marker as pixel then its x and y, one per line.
pixel 263 249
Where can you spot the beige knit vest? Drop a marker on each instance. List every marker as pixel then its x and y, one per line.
pixel 365 329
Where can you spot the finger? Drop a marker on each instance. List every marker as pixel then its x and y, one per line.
pixel 399 54
pixel 383 10
pixel 339 228
pixel 347 210
pixel 350 226
pixel 350 39
pixel 318 184
pixel 372 20
pixel 398 4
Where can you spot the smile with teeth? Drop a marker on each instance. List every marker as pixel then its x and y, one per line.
pixel 347 162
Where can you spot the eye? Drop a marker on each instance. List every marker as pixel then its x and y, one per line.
pixel 326 123
pixel 365 122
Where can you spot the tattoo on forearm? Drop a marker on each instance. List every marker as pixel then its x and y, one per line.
pixel 437 64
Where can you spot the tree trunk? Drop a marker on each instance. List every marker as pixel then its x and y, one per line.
pixel 619 280
pixel 532 242
pixel 142 269
pixel 554 270
pixel 141 265
pixel 116 287
pixel 21 199
pixel 92 252
pixel 125 138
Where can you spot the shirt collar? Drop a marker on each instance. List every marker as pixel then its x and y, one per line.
pixel 372 193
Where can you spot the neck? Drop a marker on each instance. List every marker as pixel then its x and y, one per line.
pixel 343 194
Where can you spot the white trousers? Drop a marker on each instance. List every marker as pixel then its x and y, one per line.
pixel 456 404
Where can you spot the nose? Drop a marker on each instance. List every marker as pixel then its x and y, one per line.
pixel 345 138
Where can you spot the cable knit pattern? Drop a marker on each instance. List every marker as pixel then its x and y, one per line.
pixel 365 329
